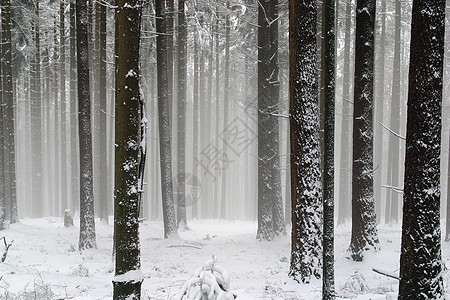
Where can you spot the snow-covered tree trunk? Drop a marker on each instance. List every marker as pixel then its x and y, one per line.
pixel 2 150
pixel 306 252
pixel 74 161
pixel 328 55
pixel 128 277
pixel 420 259
pixel 270 206
pixel 181 133
pixel 364 225
pixel 8 115
pixel 168 208
pixel 87 220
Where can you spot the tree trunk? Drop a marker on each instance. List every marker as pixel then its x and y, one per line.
pixel 420 259
pixel 36 118
pixel 181 145
pixel 223 202
pixel 74 164
pixel 195 118
pixel 62 87
pixel 364 224
pixel 345 153
pixel 87 220
pixel 217 195
pixel 394 141
pixel 378 118
pixel 169 217
pixel 8 110
pixel 447 223
pixel 128 277
pixel 328 56
pixel 57 119
pixel 270 206
pixel 306 252
pixel 104 194
pixel 2 136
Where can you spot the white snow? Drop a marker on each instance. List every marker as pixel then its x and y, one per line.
pixel 44 259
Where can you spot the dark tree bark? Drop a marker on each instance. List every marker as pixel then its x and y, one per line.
pixel 270 206
pixel 181 134
pixel 364 225
pixel 345 153
pixel 75 161
pixel 306 252
pixel 2 136
pixel 8 119
pixel 420 259
pixel 328 56
pixel 87 220
pixel 128 277
pixel 170 226
pixel 394 141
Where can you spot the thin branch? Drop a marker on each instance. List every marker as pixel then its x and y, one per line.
pixel 393 132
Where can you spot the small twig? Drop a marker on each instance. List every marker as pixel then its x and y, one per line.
pixel 385 273
pixel 393 132
pixel 395 189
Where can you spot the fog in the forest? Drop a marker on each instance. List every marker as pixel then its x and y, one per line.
pixel 221 174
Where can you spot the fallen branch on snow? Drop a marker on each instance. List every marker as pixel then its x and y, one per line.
pixel 186 246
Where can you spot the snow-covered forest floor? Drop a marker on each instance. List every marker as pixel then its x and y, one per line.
pixel 44 263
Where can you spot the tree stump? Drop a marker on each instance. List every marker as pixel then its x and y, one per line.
pixel 68 219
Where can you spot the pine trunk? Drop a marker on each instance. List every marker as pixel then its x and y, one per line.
pixel 306 251
pixel 62 87
pixel 9 120
pixel 364 225
pixel 128 277
pixel 270 206
pixel 181 134
pixel 328 56
pixel 36 118
pixel 74 157
pixel 394 141
pixel 164 123
pixel 87 220
pixel 345 153
pixel 104 194
pixel 420 259
pixel 378 118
